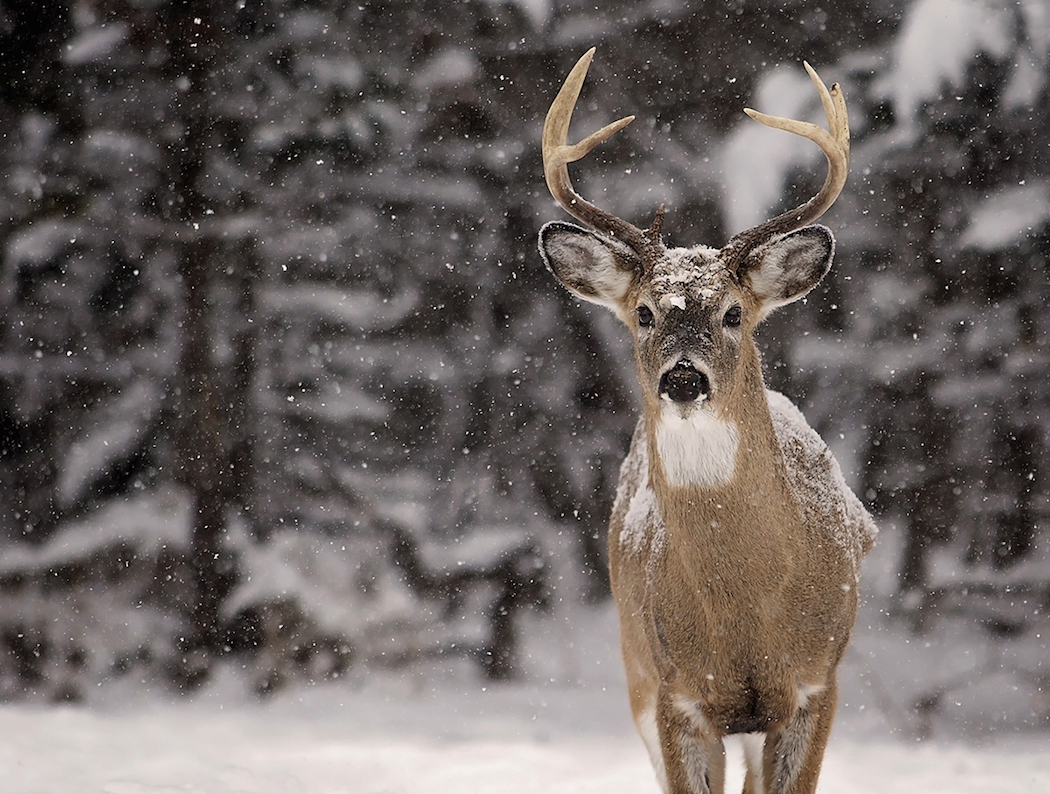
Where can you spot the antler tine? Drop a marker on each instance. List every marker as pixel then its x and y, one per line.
pixel 834 142
pixel 557 154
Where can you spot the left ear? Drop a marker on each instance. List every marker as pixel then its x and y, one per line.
pixel 787 267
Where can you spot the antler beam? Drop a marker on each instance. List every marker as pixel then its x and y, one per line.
pixel 834 142
pixel 558 153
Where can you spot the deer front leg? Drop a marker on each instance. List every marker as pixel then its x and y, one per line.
pixel 694 756
pixel 793 754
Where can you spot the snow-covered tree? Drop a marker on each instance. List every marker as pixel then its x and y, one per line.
pixel 275 331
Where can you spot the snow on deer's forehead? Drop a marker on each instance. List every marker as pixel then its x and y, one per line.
pixel 685 274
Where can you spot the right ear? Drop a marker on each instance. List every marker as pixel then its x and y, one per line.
pixel 592 267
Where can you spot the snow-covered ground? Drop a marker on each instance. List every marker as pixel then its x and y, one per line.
pixel 447 733
pixel 393 738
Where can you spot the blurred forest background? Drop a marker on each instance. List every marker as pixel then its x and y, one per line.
pixel 286 389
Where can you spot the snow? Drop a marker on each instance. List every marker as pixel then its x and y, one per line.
pixel 756 160
pixel 318 574
pixel 342 72
pixel 682 273
pixel 564 729
pixel 938 42
pixel 480 549
pixel 359 309
pixel 449 68
pixel 1008 217
pixel 1025 83
pixel 119 428
pixel 673 300
pixel 95 44
pixel 146 521
pixel 817 483
pixel 41 242
pixel 538 12
pixel 642 515
pixel 407 734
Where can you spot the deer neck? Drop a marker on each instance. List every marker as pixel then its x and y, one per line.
pixel 749 517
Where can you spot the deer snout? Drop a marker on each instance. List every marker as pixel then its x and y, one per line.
pixel 684 383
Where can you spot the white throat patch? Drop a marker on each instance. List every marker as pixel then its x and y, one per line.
pixel 697 450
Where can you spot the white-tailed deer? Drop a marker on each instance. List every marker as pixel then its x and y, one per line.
pixel 734 542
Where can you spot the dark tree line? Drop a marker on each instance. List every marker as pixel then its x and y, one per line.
pixel 279 359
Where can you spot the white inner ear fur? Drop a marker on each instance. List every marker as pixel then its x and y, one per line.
pixel 699 449
pixel 780 259
pixel 586 260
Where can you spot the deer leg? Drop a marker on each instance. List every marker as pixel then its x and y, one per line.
pixel 793 754
pixel 694 757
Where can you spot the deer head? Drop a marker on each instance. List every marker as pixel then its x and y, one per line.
pixel 691 311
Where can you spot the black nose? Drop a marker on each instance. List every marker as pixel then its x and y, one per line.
pixel 684 383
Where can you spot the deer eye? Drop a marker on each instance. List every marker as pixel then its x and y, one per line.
pixel 645 316
pixel 731 319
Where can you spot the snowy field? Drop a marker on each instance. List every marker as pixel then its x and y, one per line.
pixel 391 739
pixel 450 734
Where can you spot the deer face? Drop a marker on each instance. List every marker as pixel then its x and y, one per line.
pixel 688 327
pixel 692 318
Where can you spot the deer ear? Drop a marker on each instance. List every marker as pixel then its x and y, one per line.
pixel 590 266
pixel 787 267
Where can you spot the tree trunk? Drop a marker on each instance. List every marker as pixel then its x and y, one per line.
pixel 205 428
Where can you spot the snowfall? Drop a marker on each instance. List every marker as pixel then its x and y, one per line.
pixel 565 727
pixel 446 730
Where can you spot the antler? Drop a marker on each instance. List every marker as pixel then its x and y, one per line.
pixel 557 154
pixel 834 142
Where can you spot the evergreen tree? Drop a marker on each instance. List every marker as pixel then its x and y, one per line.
pixel 283 372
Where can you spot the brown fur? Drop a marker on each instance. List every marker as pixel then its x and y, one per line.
pixel 734 543
pixel 731 603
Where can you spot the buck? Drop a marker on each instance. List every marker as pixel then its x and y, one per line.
pixel 734 543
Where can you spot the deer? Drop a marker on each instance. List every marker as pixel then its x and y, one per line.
pixel 734 542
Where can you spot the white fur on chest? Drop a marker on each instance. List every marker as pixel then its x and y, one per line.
pixel 699 449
